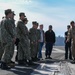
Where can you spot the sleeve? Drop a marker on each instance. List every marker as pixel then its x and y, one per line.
pixel 30 34
pixel 39 34
pixel 22 28
pixel 66 34
pixel 69 35
pixel 54 37
pixel 45 36
pixel 9 28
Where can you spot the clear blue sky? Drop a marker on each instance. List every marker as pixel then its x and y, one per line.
pixel 58 13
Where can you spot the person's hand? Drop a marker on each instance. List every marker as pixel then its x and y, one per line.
pixel 38 40
pixel 14 39
pixel 31 42
pixel 67 40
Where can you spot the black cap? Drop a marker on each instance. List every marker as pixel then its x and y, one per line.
pixel 22 14
pixel 37 24
pixel 13 13
pixel 8 11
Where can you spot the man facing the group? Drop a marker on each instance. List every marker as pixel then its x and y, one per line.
pixel 49 40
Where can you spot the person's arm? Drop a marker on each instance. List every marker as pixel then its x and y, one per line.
pixel 65 35
pixel 39 35
pixel 9 28
pixel 54 37
pixel 22 28
pixel 69 36
pixel 45 37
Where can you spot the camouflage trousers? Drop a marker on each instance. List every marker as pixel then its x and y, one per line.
pixel 1 50
pixel 73 50
pixel 8 52
pixel 24 50
pixel 33 48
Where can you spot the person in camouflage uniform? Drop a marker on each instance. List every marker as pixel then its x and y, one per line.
pixel 27 48
pixel 71 35
pixel 23 35
pixel 13 22
pixel 33 40
pixel 7 40
pixel 1 50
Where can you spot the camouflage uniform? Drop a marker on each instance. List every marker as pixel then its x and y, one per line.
pixel 1 51
pixel 33 42
pixel 24 44
pixel 7 40
pixel 14 28
pixel 71 34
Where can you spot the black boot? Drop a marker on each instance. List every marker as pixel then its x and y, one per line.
pixel 46 57
pixel 49 57
pixel 11 64
pixel 20 62
pixel 4 66
pixel 29 62
pixel 33 59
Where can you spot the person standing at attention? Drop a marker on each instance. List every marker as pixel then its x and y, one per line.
pixel 42 37
pixel 67 45
pixel 50 40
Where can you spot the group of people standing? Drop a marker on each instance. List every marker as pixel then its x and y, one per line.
pixel 29 42
pixel 70 42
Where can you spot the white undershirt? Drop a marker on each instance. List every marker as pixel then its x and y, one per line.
pixel 41 39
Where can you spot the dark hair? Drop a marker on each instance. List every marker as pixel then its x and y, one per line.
pixel 50 26
pixel 72 22
pixel 68 26
pixel 41 24
pixel 34 22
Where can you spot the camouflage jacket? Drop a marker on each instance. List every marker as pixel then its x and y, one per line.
pixel 7 33
pixel 22 31
pixel 14 28
pixel 0 32
pixel 33 35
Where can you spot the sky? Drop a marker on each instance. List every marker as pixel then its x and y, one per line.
pixel 58 13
